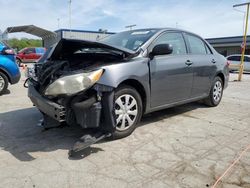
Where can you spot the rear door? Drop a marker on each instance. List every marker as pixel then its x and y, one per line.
pixel 171 75
pixel 204 65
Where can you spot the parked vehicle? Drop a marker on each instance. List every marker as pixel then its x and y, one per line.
pixel 9 71
pixel 29 55
pixel 108 85
pixel 235 60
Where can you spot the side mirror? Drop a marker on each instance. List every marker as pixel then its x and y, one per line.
pixel 162 49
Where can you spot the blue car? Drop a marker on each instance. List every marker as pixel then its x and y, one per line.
pixel 9 71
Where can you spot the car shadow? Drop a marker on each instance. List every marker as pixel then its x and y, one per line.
pixel 170 112
pixel 20 135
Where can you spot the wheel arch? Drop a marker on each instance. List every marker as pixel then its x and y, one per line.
pixel 139 88
pixel 18 58
pixel 6 74
pixel 222 76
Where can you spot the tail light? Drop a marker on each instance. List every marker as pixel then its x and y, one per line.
pixel 9 51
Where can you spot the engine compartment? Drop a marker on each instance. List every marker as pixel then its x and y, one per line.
pixel 69 64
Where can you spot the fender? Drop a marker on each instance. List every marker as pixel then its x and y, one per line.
pixel 137 69
pixel 3 70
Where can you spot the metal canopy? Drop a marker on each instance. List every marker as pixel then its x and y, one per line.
pixel 33 30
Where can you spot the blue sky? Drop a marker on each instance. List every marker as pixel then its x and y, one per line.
pixel 214 18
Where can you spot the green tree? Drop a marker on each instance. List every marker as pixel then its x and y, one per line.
pixel 19 44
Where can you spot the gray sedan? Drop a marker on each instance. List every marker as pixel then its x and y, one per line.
pixel 108 85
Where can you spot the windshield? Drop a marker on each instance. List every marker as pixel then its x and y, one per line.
pixel 131 40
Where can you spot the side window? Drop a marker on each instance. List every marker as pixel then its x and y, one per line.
pixel 40 50
pixel 230 58
pixel 30 50
pixel 197 46
pixel 246 59
pixel 238 58
pixel 234 58
pixel 174 39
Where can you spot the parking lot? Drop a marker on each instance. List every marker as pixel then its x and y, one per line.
pixel 185 146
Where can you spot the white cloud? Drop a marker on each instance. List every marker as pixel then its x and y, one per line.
pixel 207 18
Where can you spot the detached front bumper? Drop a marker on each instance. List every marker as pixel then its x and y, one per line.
pixel 53 110
pixel 86 113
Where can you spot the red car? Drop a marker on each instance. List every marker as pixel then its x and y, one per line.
pixel 29 55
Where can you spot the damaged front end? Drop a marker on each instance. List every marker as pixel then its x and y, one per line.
pixel 64 87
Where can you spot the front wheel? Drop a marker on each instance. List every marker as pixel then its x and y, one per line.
pixel 128 111
pixel 216 93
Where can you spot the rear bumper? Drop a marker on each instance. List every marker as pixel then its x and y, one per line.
pixel 15 79
pixel 48 107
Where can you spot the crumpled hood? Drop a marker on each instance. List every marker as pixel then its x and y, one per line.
pixel 67 46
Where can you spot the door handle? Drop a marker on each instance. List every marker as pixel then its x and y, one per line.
pixel 188 62
pixel 213 61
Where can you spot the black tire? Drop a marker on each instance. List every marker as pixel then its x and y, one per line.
pixel 128 91
pixel 18 62
pixel 211 100
pixel 3 78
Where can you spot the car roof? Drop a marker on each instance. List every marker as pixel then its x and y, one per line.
pixel 165 29
pixel 238 55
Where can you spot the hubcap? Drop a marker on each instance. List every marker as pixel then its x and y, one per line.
pixel 126 110
pixel 217 91
pixel 2 83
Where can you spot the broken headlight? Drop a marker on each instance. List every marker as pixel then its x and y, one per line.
pixel 74 83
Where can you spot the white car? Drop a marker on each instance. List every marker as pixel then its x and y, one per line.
pixel 236 59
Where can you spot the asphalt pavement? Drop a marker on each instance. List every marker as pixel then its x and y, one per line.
pixel 187 146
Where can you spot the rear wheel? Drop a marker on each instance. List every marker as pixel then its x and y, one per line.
pixel 216 93
pixel 3 83
pixel 18 62
pixel 128 111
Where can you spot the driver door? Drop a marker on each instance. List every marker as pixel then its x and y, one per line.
pixel 171 75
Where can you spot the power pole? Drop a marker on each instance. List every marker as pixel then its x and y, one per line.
pixel 241 68
pixel 130 26
pixel 58 23
pixel 70 1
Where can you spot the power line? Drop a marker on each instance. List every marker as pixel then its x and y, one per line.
pixel 70 1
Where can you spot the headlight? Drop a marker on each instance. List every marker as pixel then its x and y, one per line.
pixel 74 83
